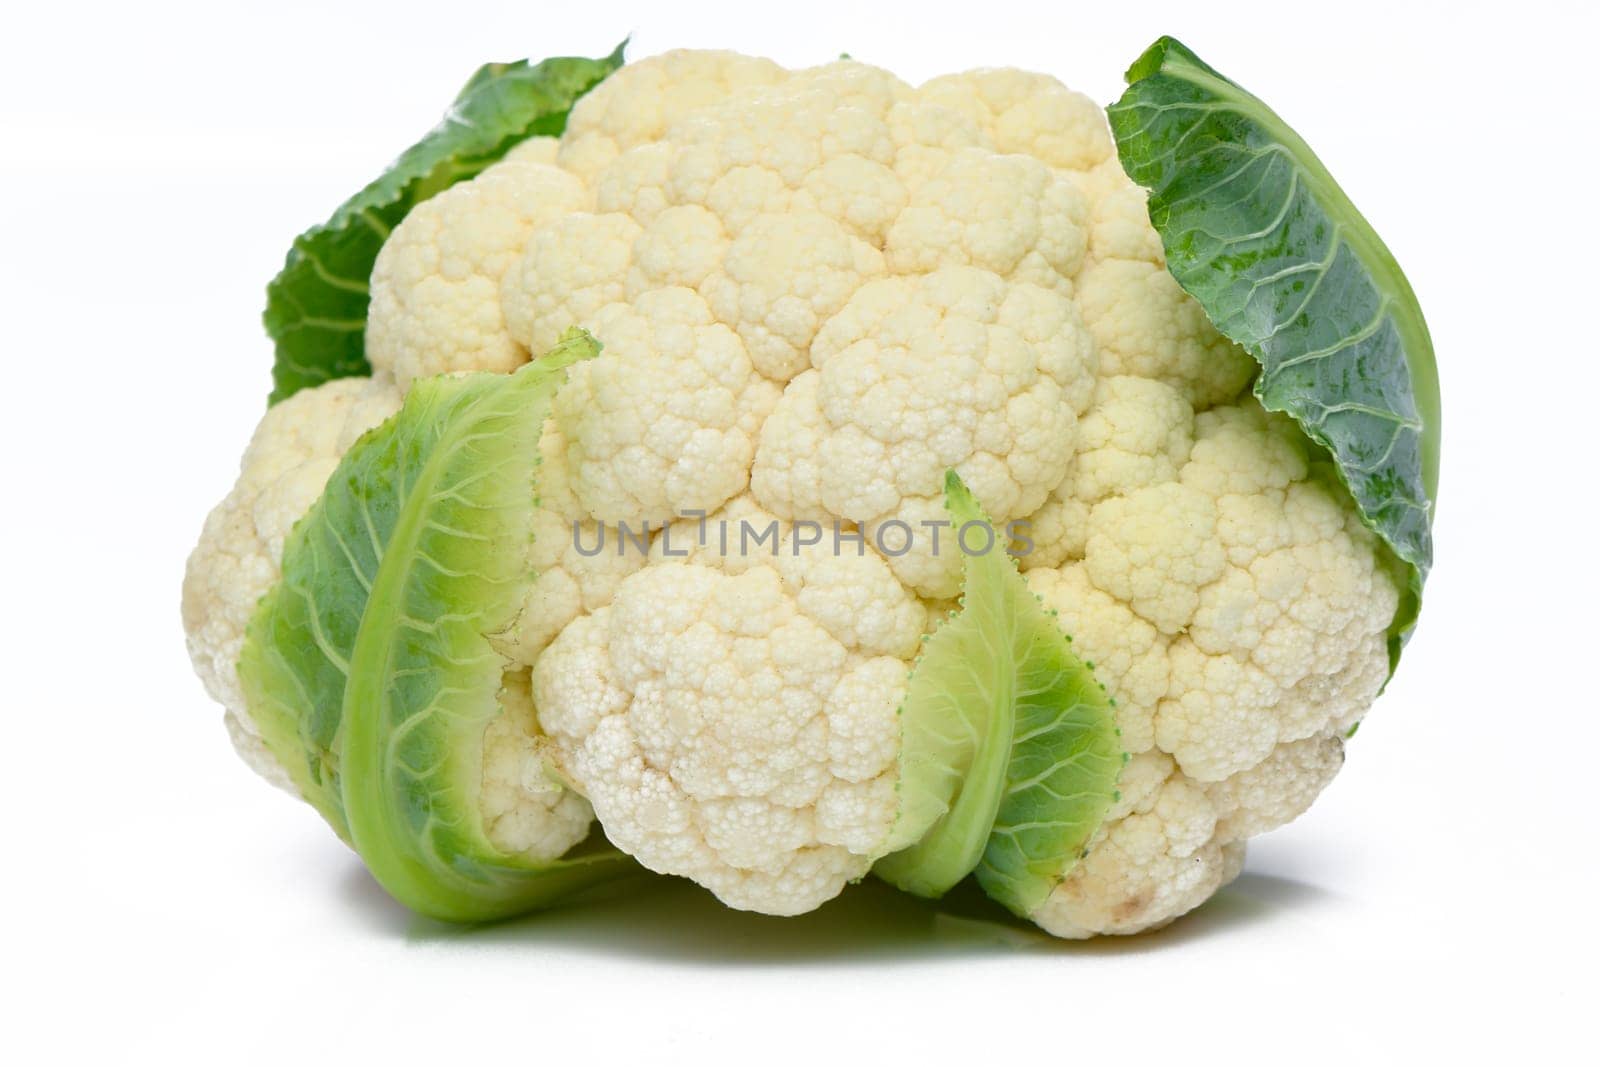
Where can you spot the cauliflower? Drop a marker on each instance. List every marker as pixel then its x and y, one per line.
pixel 816 292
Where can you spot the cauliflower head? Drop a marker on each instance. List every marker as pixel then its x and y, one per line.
pixel 818 291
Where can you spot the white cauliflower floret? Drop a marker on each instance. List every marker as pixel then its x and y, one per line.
pixel 1147 326
pixel 1291 635
pixel 1245 450
pixel 681 246
pixel 1277 789
pixel 640 102
pixel 926 134
pixel 288 461
pixel 1007 214
pixel 1119 219
pixel 738 729
pixel 667 421
pixel 1138 433
pixel 915 376
pixel 436 285
pixel 781 278
pixel 1154 550
pixel 863 195
pixel 1027 114
pixel 570 269
pixel 754 153
pixel 526 809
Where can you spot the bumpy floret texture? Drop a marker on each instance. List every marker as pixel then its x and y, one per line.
pixel 1237 612
pixel 436 285
pixel 738 726
pixel 818 290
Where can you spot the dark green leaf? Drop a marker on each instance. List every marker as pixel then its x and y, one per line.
pixel 1257 230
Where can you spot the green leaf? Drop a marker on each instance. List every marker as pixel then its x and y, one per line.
pixel 1257 230
pixel 369 666
pixel 317 305
pixel 1009 752
pixel 1062 775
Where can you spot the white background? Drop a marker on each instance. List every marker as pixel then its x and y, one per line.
pixel 159 900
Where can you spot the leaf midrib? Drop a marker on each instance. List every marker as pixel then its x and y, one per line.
pixel 372 660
